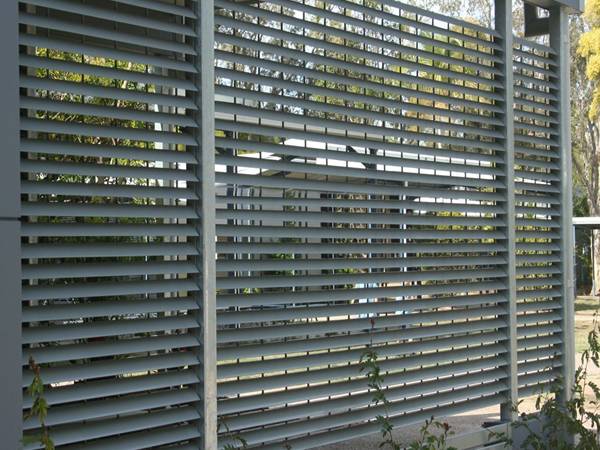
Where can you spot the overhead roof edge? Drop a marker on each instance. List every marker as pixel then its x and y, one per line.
pixel 573 6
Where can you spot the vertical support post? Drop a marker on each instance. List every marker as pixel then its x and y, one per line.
pixel 504 26
pixel 205 208
pixel 559 41
pixel 10 229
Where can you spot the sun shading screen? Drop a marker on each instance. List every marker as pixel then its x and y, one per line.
pixel 110 205
pixel 538 200
pixel 360 205
pixel 368 200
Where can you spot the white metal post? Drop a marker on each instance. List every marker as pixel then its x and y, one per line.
pixel 559 41
pixel 504 25
pixel 205 208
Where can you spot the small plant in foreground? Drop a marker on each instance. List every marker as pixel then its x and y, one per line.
pixel 427 440
pixel 573 424
pixel 431 441
pixel 236 438
pixel 242 442
pixel 39 409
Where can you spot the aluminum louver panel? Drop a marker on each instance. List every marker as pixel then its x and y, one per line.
pixel 537 175
pixel 109 123
pixel 359 201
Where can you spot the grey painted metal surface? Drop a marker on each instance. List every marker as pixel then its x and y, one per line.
pixel 591 221
pixel 10 270
pixel 504 25
pixel 351 193
pixel 9 157
pixel 118 255
pixel 559 39
pixel 572 6
pixel 206 173
pixel 357 173
pixel 10 327
pixel 539 207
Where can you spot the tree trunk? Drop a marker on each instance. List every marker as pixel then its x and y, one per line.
pixel 595 262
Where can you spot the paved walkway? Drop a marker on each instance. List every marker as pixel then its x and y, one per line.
pixel 462 423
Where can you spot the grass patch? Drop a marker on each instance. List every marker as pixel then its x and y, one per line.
pixel 585 307
pixel 582 329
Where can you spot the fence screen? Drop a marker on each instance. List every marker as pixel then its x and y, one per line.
pixel 360 203
pixel 109 228
pixel 367 199
pixel 538 199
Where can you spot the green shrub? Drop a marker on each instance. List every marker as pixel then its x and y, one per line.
pixel 39 409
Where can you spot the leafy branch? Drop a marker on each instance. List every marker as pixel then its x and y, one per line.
pixel 427 439
pixel 39 409
pixel 433 441
pixel 574 423
pixel 236 438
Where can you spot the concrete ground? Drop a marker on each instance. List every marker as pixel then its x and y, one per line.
pixel 459 424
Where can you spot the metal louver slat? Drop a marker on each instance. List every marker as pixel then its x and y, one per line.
pixel 34 251
pixel 359 339
pixel 226 108
pixel 107 170
pixel 361 400
pixel 94 370
pixel 106 289
pixel 341 64
pixel 267 400
pixel 357 416
pixel 341 279
pixel 105 111
pixel 319 296
pixel 400 91
pixel 106 270
pixel 396 348
pixel 72 87
pixel 103 388
pixel 110 407
pixel 111 229
pixel 391 18
pixel 94 32
pixel 169 8
pixel 341 434
pixel 115 15
pixel 60 127
pixel 258 265
pixel 63 435
pixel 78 351
pixel 104 151
pixel 102 190
pixel 40 41
pixel 461 161
pixel 123 210
pixel 350 96
pixel 250 27
pixel 346 372
pixel 145 439
pixel 316 107
pixel 389 307
pixel 108 72
pixel 105 328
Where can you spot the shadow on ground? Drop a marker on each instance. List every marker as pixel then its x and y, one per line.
pixel 462 423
